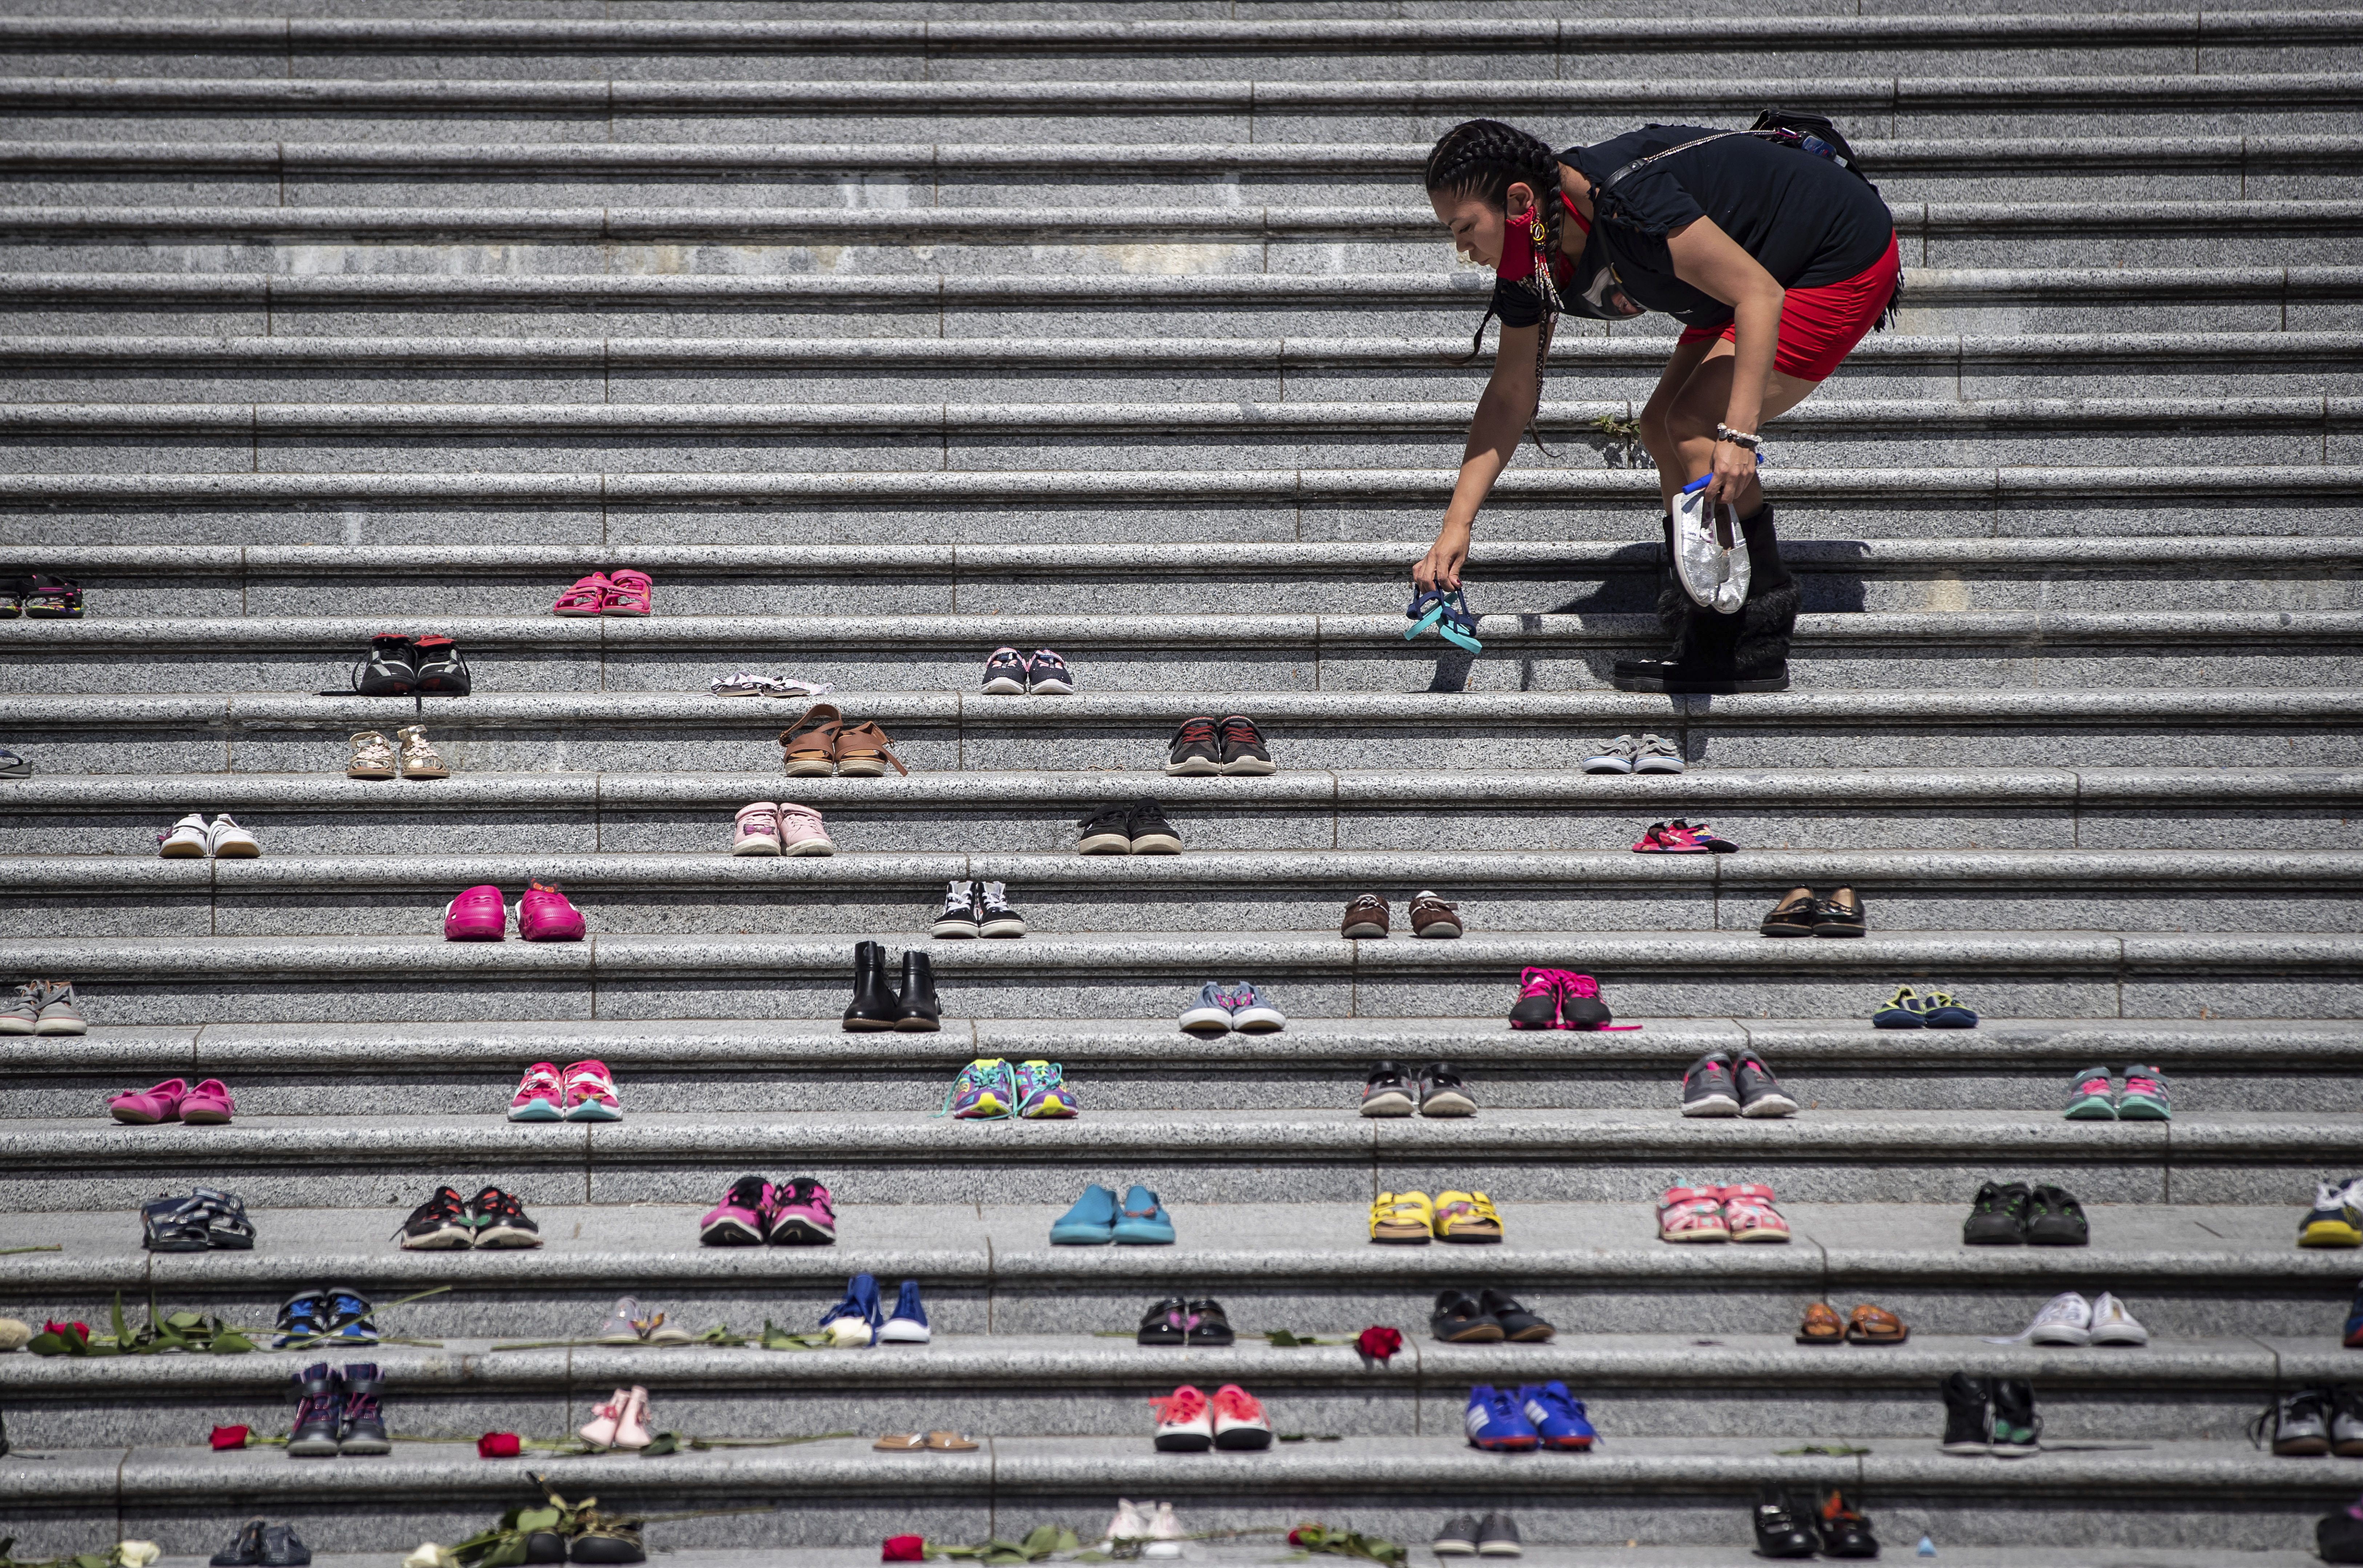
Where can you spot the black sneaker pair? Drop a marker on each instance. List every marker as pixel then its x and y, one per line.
pixel 207 1220
pixel 1993 1416
pixel 336 1414
pixel 1835 1529
pixel 1486 1317
pixel 977 909
pixel 259 1545
pixel 1728 1084
pixel 1800 914
pixel 398 666
pixel 1176 1321
pixel 1229 745
pixel 2010 1215
pixel 447 1222
pixel 2307 1422
pixel 878 1006
pixel 1495 1535
pixel 1139 829
pixel 1434 1090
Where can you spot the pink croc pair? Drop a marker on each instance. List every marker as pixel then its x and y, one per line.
pixel 584 1092
pixel 1557 999
pixel 621 593
pixel 543 915
pixel 1742 1213
pixel 207 1105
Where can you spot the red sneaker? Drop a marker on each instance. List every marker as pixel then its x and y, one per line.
pixel 1185 1422
pixel 1679 839
pixel 1239 1419
pixel 540 1095
pixel 1651 843
pixel 590 1092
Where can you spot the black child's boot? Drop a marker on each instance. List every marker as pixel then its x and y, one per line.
pixel 874 1000
pixel 1716 654
pixel 918 1012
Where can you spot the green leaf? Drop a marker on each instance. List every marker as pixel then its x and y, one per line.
pixel 185 1320
pixel 46 1343
pixel 93 1559
pixel 663 1443
pixel 122 1334
pixel 536 1518
pixel 508 1553
pixel 230 1342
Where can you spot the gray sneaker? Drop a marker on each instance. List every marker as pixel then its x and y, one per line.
pixel 20 1017
pixel 1456 1538
pixel 1708 1089
pixel 1497 1536
pixel 59 1014
pixel 1658 755
pixel 621 1327
pixel 1619 756
pixel 1760 1093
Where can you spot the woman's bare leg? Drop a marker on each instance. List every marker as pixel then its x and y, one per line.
pixel 1696 408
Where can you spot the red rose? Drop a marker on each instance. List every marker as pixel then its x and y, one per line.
pixel 229 1436
pixel 1296 1536
pixel 60 1330
pixel 497 1445
pixel 1380 1344
pixel 903 1548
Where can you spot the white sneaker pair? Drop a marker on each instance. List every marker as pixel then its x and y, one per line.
pixel 190 838
pixel 2068 1320
pixel 1133 1521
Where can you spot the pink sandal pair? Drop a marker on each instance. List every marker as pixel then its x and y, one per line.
pixel 543 915
pixel 621 593
pixel 207 1105
pixel 1741 1213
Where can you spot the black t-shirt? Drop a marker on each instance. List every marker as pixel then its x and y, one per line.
pixel 1804 219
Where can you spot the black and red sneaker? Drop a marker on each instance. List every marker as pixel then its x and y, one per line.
pixel 1243 749
pixel 442 671
pixel 389 670
pixel 1196 749
pixel 501 1220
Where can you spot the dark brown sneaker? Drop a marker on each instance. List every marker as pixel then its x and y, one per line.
pixel 1432 917
pixel 1365 917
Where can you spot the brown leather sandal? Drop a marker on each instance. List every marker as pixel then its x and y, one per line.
pixel 1822 1326
pixel 950 1442
pixel 811 741
pixel 1870 1325
pixel 863 751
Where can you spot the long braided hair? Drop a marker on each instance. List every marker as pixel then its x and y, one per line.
pixel 1484 158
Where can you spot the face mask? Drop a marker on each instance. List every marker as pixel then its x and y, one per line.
pixel 1518 248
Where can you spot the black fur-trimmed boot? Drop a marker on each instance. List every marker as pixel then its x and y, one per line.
pixel 1721 654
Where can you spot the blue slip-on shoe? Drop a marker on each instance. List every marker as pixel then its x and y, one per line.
pixel 1091 1223
pixel 1144 1222
pixel 1495 1423
pixel 1210 1015
pixel 860 1302
pixel 1898 1012
pixel 908 1325
pixel 1556 1416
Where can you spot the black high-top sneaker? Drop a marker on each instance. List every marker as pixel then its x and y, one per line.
pixel 363 1430
pixel 1967 1429
pixel 442 671
pixel 388 669
pixel 874 1000
pixel 319 1411
pixel 916 1012
pixel 1781 1530
pixel 2017 1429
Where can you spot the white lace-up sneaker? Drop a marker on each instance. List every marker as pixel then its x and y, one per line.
pixel 229 841
pixel 186 842
pixel 2066 1320
pixel 2113 1325
pixel 1165 1534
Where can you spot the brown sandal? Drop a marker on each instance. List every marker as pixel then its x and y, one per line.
pixel 862 752
pixel 811 741
pixel 1871 1325
pixel 900 1442
pixel 1822 1326
pixel 950 1442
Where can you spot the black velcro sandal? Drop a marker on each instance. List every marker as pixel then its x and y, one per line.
pixel 173 1224
pixel 227 1227
pixel 2055 1220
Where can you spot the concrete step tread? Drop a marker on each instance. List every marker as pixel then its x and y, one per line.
pixel 1703 787
pixel 2061 1045
pixel 652 1247
pixel 1458 872
pixel 1539 1554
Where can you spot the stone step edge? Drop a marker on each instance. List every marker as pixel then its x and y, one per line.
pixel 2131 555
pixel 92 352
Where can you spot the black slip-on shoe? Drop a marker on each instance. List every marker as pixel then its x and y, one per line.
pixel 1792 916
pixel 1840 914
pixel 1517 1323
pixel 1165 1323
pixel 1210 1324
pixel 1779 1528
pixel 1459 1318
pixel 282 1548
pixel 245 1549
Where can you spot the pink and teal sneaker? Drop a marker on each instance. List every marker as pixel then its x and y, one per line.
pixel 545 916
pixel 1042 1091
pixel 590 1092
pixel 2143 1099
pixel 986 1090
pixel 540 1095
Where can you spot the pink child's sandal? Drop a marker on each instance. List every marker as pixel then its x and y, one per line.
pixel 1692 1214
pixel 146 1108
pixel 1748 1214
pixel 630 593
pixel 585 597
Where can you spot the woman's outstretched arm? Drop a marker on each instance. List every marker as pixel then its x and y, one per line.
pixel 1494 432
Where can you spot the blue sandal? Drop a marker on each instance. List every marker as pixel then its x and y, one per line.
pixel 1447 611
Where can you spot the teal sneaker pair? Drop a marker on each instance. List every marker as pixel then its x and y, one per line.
pixel 2143 1098
pixel 1097 1219
pixel 991 1088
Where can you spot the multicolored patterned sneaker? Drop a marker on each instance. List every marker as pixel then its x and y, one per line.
pixel 1042 1091
pixel 2090 1099
pixel 986 1090
pixel 590 1092
pixel 2144 1097
pixel 2334 1220
pixel 540 1095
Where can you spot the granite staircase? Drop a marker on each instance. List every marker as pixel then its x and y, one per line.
pixel 881 334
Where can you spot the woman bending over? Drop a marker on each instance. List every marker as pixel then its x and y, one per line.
pixel 1776 263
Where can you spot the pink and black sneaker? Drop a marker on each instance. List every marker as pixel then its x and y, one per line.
pixel 540 1095
pixel 1580 1007
pixel 801 1215
pixel 545 916
pixel 1538 1004
pixel 738 1219
pixel 479 914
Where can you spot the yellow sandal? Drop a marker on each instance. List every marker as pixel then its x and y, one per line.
pixel 1404 1218
pixel 1466 1217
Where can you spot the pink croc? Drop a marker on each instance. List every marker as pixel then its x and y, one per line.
pixel 585 597
pixel 540 1095
pixel 208 1104
pixel 630 593
pixel 161 1102
pixel 1748 1214
pixel 479 914
pixel 591 1092
pixel 1692 1214
pixel 545 916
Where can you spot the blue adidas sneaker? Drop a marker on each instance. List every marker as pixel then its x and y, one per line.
pixel 1495 1424
pixel 1558 1417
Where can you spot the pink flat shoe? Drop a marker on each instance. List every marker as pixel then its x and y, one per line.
pixel 545 916
pixel 208 1104
pixel 479 914
pixel 585 597
pixel 146 1108
pixel 590 1092
pixel 630 593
